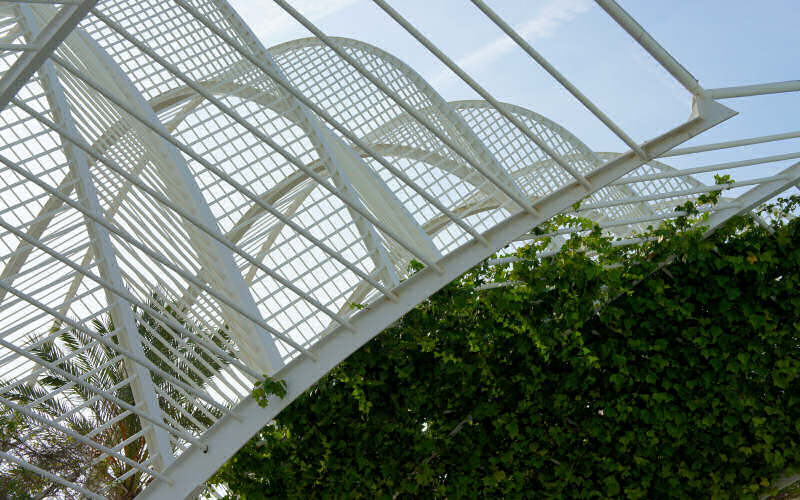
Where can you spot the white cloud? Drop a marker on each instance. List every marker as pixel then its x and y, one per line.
pixel 543 25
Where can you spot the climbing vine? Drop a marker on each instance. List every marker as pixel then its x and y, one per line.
pixel 596 372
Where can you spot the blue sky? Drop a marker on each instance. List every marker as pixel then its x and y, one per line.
pixel 722 42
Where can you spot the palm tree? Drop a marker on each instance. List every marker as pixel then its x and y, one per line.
pixel 44 448
pixel 80 355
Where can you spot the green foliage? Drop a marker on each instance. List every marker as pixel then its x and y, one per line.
pixel 597 374
pixel 41 447
pixel 79 354
pixel 266 387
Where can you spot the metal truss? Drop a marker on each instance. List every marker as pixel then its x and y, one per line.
pixel 228 205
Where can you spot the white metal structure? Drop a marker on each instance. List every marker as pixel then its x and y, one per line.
pixel 226 204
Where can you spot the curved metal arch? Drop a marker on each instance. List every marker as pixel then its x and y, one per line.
pixel 175 97
pixel 431 227
pixel 409 84
pixel 487 211
pixel 181 187
pixel 323 144
pixel 331 147
pixel 278 104
pixel 437 224
pixel 586 159
pixel 577 151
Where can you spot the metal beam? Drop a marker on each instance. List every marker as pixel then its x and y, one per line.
pixel 732 144
pixel 144 393
pixel 648 43
pixel 751 90
pixel 225 438
pixel 785 179
pixel 682 172
pixel 45 42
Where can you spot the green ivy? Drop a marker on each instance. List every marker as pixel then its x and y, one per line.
pixel 267 387
pixel 599 373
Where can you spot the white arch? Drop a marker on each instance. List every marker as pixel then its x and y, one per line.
pixel 213 146
pixel 584 159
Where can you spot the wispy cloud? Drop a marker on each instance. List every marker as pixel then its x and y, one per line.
pixel 271 24
pixel 543 25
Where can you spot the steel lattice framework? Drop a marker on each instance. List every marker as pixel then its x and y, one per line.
pixel 226 205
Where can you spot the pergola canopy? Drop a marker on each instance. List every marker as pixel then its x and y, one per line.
pixel 241 211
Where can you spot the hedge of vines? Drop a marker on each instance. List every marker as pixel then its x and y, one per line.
pixel 598 372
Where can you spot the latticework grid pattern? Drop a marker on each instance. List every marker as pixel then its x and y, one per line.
pixel 183 211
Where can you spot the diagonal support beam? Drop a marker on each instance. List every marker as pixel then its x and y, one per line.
pixel 648 43
pixel 755 196
pixel 343 164
pixel 336 160
pixel 158 440
pixel 194 466
pixel 572 89
pixel 751 90
pixel 258 347
pixel 46 41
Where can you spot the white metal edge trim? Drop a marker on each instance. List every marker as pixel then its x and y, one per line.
pixel 195 465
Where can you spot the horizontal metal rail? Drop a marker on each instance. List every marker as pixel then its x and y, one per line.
pixel 614 223
pixel 732 144
pixel 677 194
pixel 751 90
pixel 708 168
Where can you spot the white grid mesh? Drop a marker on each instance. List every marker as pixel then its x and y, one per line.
pixel 241 224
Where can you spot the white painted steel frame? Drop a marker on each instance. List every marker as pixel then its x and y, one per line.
pixel 40 48
pixel 142 385
pixel 300 374
pixel 138 121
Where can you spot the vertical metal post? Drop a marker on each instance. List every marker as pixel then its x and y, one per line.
pixel 257 348
pixel 125 327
